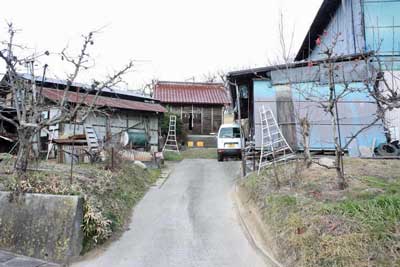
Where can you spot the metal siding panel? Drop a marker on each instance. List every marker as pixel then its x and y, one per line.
pixel 295 75
pixel 382 26
pixel 341 24
pixel 264 94
pixel 355 111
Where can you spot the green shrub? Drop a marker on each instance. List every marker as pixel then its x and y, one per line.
pixel 180 131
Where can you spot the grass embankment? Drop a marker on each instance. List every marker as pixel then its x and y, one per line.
pixel 191 153
pixel 316 225
pixel 109 195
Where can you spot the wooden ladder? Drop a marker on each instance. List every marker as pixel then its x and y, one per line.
pixel 91 138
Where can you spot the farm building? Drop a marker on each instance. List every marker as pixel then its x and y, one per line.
pixel 199 105
pixel 363 27
pixel 348 28
pixel 120 111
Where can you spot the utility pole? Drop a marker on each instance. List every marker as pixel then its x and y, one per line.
pixel 242 139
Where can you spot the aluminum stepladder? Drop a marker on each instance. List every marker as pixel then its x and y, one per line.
pixel 274 149
pixel 50 145
pixel 171 144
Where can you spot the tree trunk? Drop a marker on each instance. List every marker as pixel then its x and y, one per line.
pixel 338 166
pixel 21 164
pixel 338 155
pixel 305 132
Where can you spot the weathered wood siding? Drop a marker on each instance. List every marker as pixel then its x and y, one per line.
pixel 206 119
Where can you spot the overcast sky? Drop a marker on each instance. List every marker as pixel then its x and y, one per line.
pixel 172 40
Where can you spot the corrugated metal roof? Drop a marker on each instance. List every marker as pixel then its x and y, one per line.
pixel 102 101
pixel 39 79
pixel 191 93
pixel 261 72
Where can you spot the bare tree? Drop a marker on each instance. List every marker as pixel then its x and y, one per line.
pixel 339 86
pixel 29 103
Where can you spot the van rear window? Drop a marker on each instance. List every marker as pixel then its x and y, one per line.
pixel 229 133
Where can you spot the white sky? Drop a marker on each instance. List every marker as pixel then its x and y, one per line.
pixel 173 39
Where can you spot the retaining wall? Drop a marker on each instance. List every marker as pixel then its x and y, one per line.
pixel 42 226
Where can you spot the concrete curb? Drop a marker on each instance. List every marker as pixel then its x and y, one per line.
pixel 249 233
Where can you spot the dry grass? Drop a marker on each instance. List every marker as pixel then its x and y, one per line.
pixel 317 225
pixel 109 195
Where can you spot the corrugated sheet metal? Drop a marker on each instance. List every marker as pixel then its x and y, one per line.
pixel 382 26
pixel 344 28
pixel 62 83
pixel 191 93
pixel 56 95
pixel 356 110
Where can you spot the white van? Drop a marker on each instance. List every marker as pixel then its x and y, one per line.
pixel 229 142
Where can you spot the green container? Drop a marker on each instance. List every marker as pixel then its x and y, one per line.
pixel 138 138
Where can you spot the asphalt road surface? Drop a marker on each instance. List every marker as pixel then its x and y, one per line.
pixel 189 221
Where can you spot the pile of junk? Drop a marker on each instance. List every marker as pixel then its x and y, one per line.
pixel 132 145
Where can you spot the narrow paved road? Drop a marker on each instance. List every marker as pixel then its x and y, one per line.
pixel 190 221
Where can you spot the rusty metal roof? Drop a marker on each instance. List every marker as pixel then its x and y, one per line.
pixel 191 93
pixel 102 101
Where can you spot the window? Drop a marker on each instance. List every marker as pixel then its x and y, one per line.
pixel 244 91
pixel 233 132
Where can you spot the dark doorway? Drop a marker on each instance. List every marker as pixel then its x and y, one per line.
pixel 190 121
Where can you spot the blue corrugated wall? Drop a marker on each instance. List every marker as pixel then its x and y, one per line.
pixel 382 30
pixel 356 110
pixel 345 27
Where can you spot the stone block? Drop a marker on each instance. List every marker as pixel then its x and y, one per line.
pixel 41 226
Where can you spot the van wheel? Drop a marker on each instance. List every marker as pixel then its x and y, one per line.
pixel 220 157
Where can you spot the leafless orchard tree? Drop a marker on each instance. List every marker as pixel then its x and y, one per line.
pixel 29 103
pixel 381 84
pixel 340 86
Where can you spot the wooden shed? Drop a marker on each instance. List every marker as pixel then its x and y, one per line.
pixel 117 111
pixel 199 105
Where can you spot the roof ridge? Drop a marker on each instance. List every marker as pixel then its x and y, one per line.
pixel 189 83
